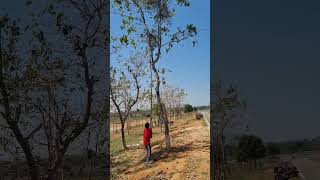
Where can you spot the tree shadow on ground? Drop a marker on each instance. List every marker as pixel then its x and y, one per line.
pixel 170 154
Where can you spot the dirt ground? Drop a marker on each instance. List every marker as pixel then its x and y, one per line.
pixel 263 172
pixel 188 157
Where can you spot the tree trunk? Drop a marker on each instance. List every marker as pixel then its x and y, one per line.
pixel 55 174
pixel 33 169
pixel 123 136
pixel 166 129
pixel 90 170
pixel 222 173
pixel 224 160
pixel 34 174
pixel 162 108
pixel 128 127
pixel 55 170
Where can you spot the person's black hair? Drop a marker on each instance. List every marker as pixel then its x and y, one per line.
pixel 146 125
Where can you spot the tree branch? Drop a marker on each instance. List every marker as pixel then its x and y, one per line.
pixel 34 131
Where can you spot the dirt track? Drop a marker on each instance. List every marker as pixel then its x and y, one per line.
pixel 188 157
pixel 309 165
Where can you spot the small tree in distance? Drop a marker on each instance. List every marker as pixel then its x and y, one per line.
pixel 173 97
pixel 188 108
pixel 227 109
pixel 250 148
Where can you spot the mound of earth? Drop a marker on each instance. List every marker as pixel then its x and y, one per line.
pixel 285 170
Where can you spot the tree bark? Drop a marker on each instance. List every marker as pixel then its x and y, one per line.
pixel 162 108
pixel 34 174
pixel 55 174
pixel 123 139
pixel 56 160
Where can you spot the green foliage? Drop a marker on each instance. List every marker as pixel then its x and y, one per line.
pixel 141 22
pixel 124 39
pixel 294 146
pixel 202 107
pixel 250 148
pixel 188 108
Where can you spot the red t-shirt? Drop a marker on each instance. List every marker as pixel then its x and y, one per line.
pixel 147 134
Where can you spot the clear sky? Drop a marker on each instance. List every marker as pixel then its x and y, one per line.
pixel 190 66
pixel 271 50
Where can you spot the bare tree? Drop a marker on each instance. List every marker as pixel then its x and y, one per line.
pixel 39 84
pixel 173 96
pixel 228 107
pixel 16 82
pixel 67 100
pixel 126 89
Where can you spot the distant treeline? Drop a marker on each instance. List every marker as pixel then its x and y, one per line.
pixel 201 107
pixel 140 114
pixel 276 148
pixel 294 146
pixel 146 112
pixel 133 113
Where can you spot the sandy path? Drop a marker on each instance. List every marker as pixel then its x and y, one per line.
pixel 309 168
pixel 308 164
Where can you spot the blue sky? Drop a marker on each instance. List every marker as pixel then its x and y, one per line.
pixel 190 65
pixel 270 49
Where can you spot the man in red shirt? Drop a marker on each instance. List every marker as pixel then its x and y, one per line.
pixel 147 135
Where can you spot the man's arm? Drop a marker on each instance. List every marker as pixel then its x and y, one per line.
pixel 150 132
pixel 145 134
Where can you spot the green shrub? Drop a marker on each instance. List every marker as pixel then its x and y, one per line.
pixel 188 108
